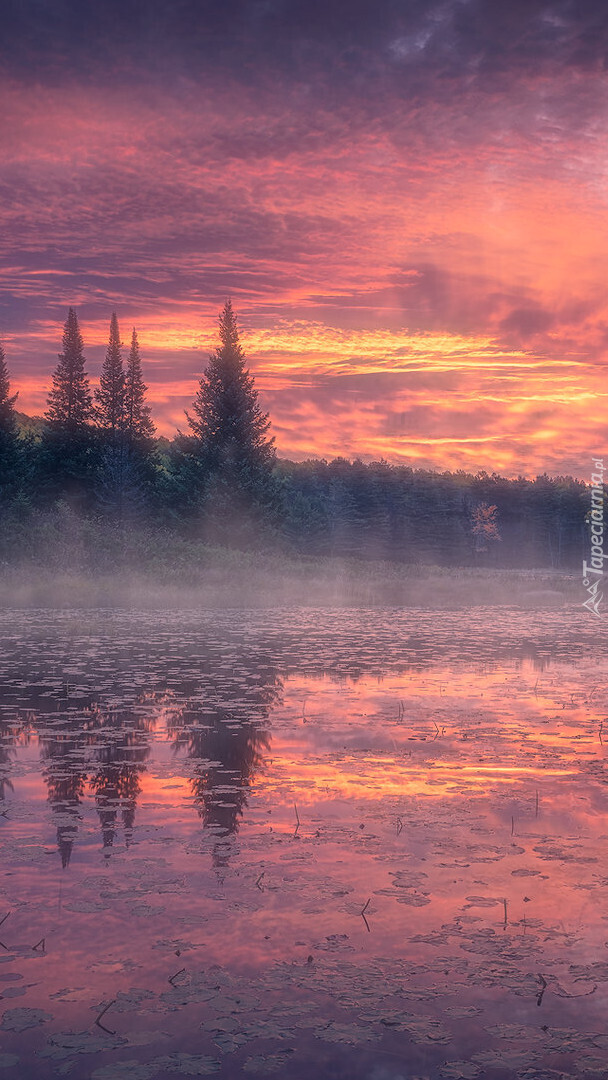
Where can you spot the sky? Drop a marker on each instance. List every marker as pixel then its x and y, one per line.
pixel 406 201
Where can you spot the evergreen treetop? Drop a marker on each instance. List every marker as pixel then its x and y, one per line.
pixel 110 396
pixel 229 427
pixel 138 419
pixel 8 420
pixel 69 402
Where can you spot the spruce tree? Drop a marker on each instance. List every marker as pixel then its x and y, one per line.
pixel 229 428
pixel 127 466
pixel 66 459
pixel 10 456
pixel 69 402
pixel 229 457
pixel 8 420
pixel 138 421
pixel 110 396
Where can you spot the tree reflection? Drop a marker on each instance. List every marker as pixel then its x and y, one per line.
pixel 101 751
pixel 65 775
pixel 9 734
pixel 116 782
pixel 225 743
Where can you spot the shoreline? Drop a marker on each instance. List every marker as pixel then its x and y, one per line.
pixel 261 582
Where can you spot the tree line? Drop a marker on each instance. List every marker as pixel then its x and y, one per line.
pixel 94 466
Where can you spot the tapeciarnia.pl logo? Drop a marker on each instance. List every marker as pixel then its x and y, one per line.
pixel 593 571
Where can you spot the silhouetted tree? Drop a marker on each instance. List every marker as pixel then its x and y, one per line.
pixel 69 402
pixel 66 461
pixel 138 420
pixel 110 411
pixel 230 428
pixel 9 439
pixel 125 468
pixel 8 420
pixel 227 462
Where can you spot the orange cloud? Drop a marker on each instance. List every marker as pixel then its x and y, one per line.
pixel 429 290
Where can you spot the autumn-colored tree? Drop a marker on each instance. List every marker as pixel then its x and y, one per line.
pixel 484 525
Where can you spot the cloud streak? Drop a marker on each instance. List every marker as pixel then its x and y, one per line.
pixel 412 201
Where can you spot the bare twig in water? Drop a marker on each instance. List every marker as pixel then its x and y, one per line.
pixel 172 977
pixel 260 887
pixel 363 910
pixel 505 906
pixel 39 944
pixel 512 824
pixel 399 825
pixel 543 987
pixel 600 732
pixel 297 815
pixel 3 920
pixel 102 1013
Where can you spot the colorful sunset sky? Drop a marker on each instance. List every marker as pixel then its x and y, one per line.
pixel 406 200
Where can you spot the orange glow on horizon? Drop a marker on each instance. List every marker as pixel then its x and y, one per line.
pixel 395 300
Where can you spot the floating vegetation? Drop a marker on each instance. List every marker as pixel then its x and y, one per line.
pixel 244 843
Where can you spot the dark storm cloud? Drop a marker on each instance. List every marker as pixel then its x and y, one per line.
pixel 358 40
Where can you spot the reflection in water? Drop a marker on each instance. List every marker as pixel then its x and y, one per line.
pixel 450 782
pixel 65 775
pixel 8 737
pixel 101 751
pixel 116 781
pixel 224 745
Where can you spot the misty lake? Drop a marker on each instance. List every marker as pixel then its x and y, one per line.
pixel 359 845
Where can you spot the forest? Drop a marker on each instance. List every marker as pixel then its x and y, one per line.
pixel 89 486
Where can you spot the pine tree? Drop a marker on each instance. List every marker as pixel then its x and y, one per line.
pixel 110 397
pixel 69 402
pixel 66 458
pixel 138 421
pixel 11 446
pixel 229 427
pixel 8 420
pixel 228 460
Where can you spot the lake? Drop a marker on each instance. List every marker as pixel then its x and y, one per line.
pixel 357 845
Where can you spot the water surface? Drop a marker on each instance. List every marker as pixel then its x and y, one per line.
pixel 365 844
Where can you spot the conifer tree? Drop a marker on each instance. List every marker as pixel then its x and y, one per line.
pixel 69 402
pixel 138 421
pixel 110 396
pixel 11 456
pixel 229 457
pixel 66 459
pixel 228 425
pixel 8 420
